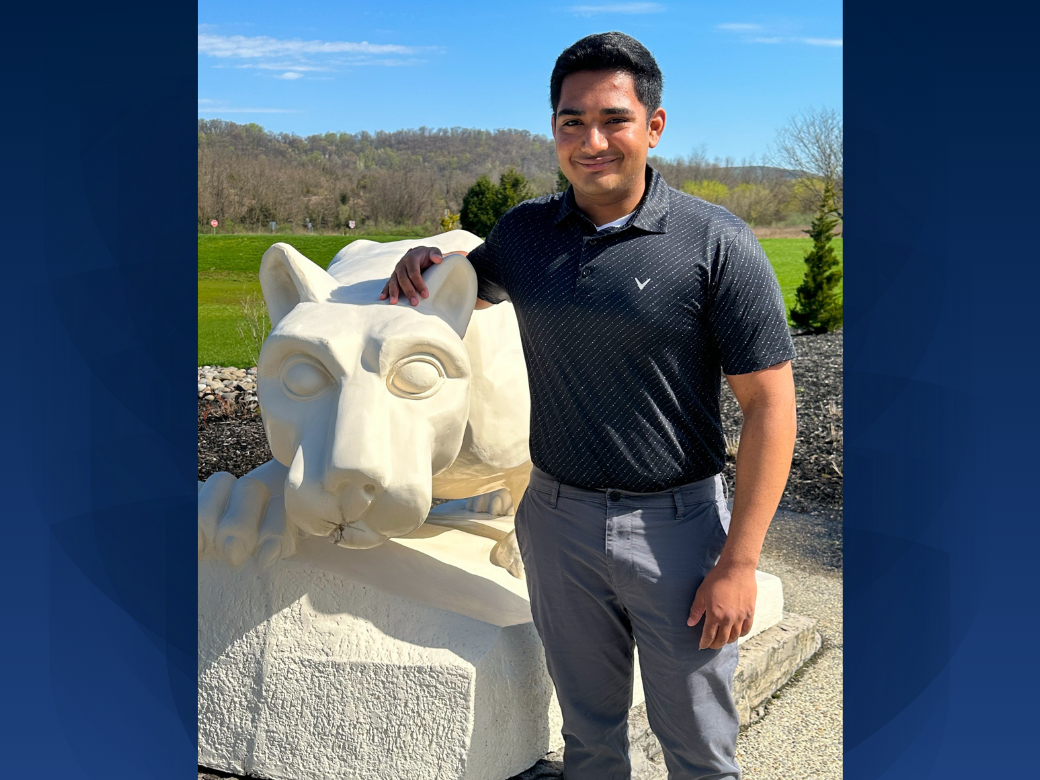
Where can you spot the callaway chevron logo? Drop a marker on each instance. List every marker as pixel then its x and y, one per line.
pixel 642 284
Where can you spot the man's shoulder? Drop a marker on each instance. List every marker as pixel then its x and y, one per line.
pixel 703 217
pixel 531 212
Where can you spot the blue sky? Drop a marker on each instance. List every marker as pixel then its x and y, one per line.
pixel 734 72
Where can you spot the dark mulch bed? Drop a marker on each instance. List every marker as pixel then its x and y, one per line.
pixel 232 438
pixel 815 483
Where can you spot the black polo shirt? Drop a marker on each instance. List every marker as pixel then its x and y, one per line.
pixel 625 332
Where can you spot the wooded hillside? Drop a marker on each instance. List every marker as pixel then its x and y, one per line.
pixel 248 177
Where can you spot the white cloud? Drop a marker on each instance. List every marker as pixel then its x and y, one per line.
pixel 291 58
pixel 390 62
pixel 739 27
pixel 771 36
pixel 283 66
pixel 616 8
pixel 265 46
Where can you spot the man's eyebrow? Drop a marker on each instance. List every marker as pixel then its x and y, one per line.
pixel 609 111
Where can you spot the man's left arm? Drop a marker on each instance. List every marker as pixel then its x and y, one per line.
pixel 726 598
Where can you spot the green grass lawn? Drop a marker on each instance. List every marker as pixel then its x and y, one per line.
pixel 228 272
pixel 229 264
pixel 787 256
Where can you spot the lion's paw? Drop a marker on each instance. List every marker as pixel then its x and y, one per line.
pixel 240 517
pixel 506 554
pixel 497 502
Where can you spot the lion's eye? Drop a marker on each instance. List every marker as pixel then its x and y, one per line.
pixel 416 377
pixel 305 379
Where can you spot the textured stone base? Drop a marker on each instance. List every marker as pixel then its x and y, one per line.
pixel 306 675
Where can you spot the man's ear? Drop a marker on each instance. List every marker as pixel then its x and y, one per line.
pixel 452 284
pixel 288 278
pixel 655 126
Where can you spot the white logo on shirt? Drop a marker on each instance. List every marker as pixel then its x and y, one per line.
pixel 641 284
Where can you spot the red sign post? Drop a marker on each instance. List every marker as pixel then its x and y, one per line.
pixel 213 224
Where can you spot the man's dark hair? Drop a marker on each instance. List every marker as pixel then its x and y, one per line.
pixel 610 51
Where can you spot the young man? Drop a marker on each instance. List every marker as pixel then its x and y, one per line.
pixel 632 298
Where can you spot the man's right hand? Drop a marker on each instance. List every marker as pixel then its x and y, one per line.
pixel 407 276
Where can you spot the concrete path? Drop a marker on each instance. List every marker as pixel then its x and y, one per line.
pixel 800 734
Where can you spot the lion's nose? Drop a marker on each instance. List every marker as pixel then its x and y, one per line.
pixel 357 458
pixel 354 492
pixel 368 484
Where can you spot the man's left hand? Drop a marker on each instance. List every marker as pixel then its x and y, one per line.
pixel 726 601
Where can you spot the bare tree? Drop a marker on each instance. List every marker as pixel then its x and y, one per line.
pixel 811 143
pixel 400 197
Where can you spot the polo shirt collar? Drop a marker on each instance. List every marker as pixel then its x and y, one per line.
pixel 651 214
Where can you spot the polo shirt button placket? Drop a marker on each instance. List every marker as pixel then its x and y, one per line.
pixel 589 241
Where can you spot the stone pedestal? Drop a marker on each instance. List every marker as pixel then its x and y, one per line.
pixel 414 660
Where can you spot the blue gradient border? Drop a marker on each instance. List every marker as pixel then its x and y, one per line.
pixel 101 574
pixel 940 427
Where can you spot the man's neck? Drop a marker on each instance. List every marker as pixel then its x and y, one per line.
pixel 602 212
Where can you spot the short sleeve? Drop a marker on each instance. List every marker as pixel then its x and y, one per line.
pixel 486 261
pixel 748 319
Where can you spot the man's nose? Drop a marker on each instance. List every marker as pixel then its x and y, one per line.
pixel 594 140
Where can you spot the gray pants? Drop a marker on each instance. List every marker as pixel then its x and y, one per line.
pixel 606 569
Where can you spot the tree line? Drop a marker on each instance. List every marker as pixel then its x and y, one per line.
pixel 249 177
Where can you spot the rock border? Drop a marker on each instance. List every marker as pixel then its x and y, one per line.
pixel 236 385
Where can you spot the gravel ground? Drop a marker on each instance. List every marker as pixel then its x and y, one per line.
pixel 800 735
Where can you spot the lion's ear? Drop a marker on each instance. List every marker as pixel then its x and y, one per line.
pixel 288 278
pixel 453 292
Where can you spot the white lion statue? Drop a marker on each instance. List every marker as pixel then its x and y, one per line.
pixel 372 410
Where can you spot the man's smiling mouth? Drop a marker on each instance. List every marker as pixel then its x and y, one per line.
pixel 596 163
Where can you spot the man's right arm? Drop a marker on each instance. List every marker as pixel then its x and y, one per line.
pixel 407 280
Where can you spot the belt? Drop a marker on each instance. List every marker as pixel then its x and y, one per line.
pixel 708 489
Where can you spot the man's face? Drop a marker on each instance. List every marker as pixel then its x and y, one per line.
pixel 602 135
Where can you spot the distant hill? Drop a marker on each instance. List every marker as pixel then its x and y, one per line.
pixel 249 176
pixel 756 173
